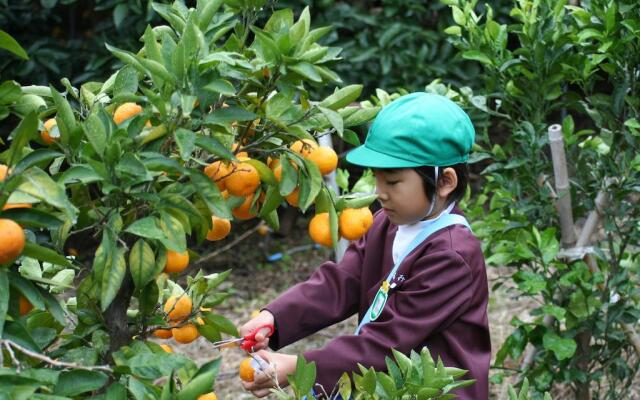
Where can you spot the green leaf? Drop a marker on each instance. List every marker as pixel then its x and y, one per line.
pixel 265 173
pixel 201 384
pixel 10 92
pixel 126 82
pixel 351 201
pixel 288 177
pixel 361 116
pixel 280 20
pixel 65 118
pixel 222 323
pixel 228 115
pixel 314 180
pixel 477 55
pixel 38 184
pixel 4 297
pixel 342 97
pixel 272 220
pixel 562 348
pixel 265 46
pixel 458 15
pixel 209 192
pixel 174 235
pixel 116 391
pixel 33 218
pixel 278 105
pixel 213 146
pixel 344 386
pixel 142 263
pixel 79 174
pixel 23 133
pixel 222 86
pixel 112 278
pixel 95 133
pixel 9 43
pixel 73 383
pixel 205 15
pixel 34 158
pixel 307 71
pixel 333 224
pixel 44 254
pixel 304 376
pixel 334 119
pixel 272 200
pixel 186 141
pixel 147 227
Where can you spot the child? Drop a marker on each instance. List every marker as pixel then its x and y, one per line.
pixel 418 147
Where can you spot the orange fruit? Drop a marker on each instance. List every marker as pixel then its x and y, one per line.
pixel 48 127
pixel 243 211
pixel 277 172
pixel 243 181
pixel 176 262
pixel 240 154
pixel 126 111
pixel 292 198
pixel 178 308
pixel 246 370
pixel 162 333
pixel 208 396
pixel 263 229
pixel 220 228
pixel 185 334
pixel 166 348
pixel 9 206
pixel 325 158
pixel 11 240
pixel 355 222
pixel 320 229
pixel 304 147
pixel 217 171
pixel 25 305
pixel 4 170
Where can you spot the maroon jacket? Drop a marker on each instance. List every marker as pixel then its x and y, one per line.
pixel 441 303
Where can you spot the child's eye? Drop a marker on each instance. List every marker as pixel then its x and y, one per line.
pixel 392 182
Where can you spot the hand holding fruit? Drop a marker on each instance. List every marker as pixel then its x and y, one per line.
pixel 259 379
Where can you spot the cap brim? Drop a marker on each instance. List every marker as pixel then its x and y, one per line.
pixel 366 157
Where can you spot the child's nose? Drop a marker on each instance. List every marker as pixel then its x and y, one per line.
pixel 382 195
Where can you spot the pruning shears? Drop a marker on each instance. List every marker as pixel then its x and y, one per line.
pixel 248 341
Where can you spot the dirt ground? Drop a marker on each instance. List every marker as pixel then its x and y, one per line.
pixel 256 282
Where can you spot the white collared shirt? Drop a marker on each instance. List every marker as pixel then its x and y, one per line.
pixel 406 233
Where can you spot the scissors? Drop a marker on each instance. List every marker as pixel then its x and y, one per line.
pixel 248 341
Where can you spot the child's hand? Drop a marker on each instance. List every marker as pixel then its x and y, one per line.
pixel 264 318
pixel 280 366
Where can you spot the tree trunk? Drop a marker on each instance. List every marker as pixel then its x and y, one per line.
pixel 116 317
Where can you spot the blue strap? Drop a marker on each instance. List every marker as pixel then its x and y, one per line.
pixel 381 296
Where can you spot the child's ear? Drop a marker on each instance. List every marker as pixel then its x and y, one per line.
pixel 447 182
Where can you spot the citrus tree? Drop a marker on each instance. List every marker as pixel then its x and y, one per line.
pixel 210 122
pixel 557 63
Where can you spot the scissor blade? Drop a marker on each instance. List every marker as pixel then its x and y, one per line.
pixel 226 343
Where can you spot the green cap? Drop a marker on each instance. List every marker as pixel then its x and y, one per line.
pixel 418 129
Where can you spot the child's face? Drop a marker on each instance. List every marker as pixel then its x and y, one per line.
pixel 401 194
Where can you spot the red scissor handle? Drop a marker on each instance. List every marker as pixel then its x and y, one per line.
pixel 250 338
